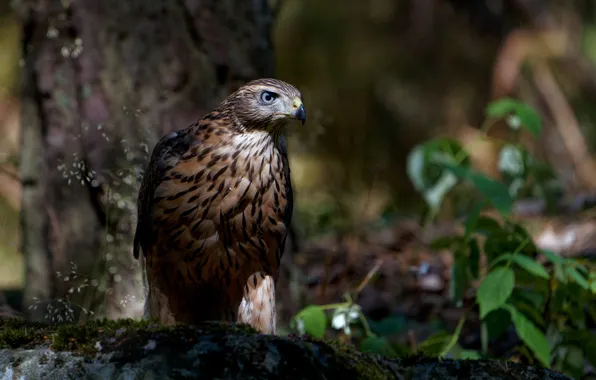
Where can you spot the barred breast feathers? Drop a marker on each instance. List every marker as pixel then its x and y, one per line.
pixel 237 178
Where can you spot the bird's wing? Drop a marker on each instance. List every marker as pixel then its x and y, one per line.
pixel 165 155
pixel 290 195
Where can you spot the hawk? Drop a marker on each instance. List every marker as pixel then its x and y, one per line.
pixel 214 208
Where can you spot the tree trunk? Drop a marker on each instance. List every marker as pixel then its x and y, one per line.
pixel 102 81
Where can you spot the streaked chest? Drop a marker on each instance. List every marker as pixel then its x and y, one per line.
pixel 240 179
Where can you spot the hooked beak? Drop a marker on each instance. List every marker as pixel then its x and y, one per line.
pixel 298 111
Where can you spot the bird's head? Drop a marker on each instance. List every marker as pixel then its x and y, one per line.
pixel 266 104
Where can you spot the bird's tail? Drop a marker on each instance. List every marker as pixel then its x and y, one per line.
pixel 257 308
pixel 146 289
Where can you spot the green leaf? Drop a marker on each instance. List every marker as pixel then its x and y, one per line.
pixel 495 289
pixel 531 336
pixel 487 226
pixel 531 297
pixel 560 273
pixel 495 191
pixel 377 345
pixel 521 234
pixel 574 362
pixel 434 196
pixel 579 294
pixel 497 322
pixel 510 238
pixel 577 313
pixel 501 107
pixel 430 180
pixel 553 257
pixel 593 283
pixel 445 242
pixel 533 314
pixel 528 282
pixel 502 258
pixel 584 339
pixel 558 299
pixel 526 263
pixel 389 325
pixel 434 345
pixel 454 338
pixel 474 258
pixel 314 319
pixel 577 277
pixel 526 115
pixel 590 348
pixel 459 276
pixel 468 354
pixel 473 219
pixel 530 119
pixel 580 267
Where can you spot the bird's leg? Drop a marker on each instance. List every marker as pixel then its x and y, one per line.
pixel 157 307
pixel 257 308
pixel 156 302
pixel 146 291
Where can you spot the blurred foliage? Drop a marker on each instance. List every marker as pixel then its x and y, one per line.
pixel 381 76
pixel 374 88
pixel 378 76
pixel 9 50
pixel 11 269
pixel 547 298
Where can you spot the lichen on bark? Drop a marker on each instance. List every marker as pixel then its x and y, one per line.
pixel 144 349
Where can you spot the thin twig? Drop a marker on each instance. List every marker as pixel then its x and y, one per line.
pixel 566 124
pixel 412 340
pixel 369 276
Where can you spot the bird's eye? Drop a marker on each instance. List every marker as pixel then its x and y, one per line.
pixel 268 97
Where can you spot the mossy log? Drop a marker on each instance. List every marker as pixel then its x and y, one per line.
pixel 127 349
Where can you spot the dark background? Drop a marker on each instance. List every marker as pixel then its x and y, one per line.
pixel 87 88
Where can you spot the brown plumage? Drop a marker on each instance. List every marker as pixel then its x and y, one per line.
pixel 214 208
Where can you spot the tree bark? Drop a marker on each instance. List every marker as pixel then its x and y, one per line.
pixel 102 81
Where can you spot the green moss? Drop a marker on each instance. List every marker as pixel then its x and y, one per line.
pixel 218 350
pixel 367 366
pixel 16 332
pixel 84 338
pixel 129 337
